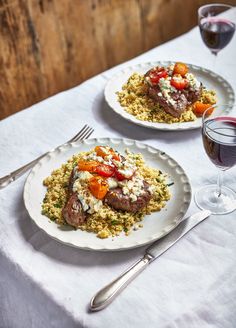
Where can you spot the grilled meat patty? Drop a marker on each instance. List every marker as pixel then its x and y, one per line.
pixel 177 101
pixel 116 199
pixel 175 109
pixel 73 211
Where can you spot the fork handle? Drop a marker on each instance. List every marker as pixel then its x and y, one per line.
pixel 5 181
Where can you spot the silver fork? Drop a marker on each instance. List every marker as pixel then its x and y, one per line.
pixel 84 133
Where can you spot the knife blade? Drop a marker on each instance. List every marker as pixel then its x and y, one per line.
pixel 107 294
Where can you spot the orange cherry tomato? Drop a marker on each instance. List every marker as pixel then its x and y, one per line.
pixel 102 153
pixel 89 166
pixel 199 108
pixel 98 187
pixel 179 84
pixel 180 68
pixel 115 156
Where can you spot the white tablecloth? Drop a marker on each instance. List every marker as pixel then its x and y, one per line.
pixel 46 284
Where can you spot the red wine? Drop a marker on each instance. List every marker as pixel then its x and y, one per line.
pixel 216 32
pixel 219 139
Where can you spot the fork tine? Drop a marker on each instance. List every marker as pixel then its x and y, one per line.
pixel 85 127
pixel 81 136
pixel 86 134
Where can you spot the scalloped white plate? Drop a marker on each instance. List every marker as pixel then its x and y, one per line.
pixel 224 92
pixel 155 225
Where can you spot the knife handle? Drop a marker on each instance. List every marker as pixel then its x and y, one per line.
pixel 107 294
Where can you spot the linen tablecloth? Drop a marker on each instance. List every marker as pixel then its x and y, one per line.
pixel 44 283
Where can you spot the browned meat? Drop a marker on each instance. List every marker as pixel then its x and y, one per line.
pixel 73 211
pixel 116 199
pixel 179 99
pixel 192 95
pixel 175 109
pixel 73 177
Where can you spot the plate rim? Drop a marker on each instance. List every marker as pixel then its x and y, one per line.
pixel 156 125
pixel 182 209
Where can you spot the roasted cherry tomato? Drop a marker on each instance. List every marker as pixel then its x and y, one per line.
pixel 156 74
pixel 100 151
pixel 180 68
pixel 119 176
pixel 115 156
pixel 98 187
pixel 89 166
pixel 199 108
pixel 105 170
pixel 179 83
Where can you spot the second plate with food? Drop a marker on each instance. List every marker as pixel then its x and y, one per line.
pixel 210 80
pixel 157 165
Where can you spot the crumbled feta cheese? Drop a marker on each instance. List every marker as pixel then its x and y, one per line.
pixel 133 197
pixel 100 159
pixel 126 172
pixel 125 190
pixel 82 178
pixel 88 201
pixel 117 163
pixel 94 204
pixel 112 183
pixel 106 149
pixel 84 175
pixel 133 187
pixel 83 203
pixel 170 69
pixel 166 88
pixel 193 82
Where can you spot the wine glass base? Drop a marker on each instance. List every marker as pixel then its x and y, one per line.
pixel 207 199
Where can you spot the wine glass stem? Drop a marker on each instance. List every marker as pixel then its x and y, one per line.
pixel 214 61
pixel 219 182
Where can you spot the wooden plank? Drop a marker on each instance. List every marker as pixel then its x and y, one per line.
pixel 47 46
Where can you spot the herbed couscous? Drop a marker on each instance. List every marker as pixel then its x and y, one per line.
pixel 102 215
pixel 135 99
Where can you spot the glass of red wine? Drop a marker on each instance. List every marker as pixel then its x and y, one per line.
pixel 219 140
pixel 215 28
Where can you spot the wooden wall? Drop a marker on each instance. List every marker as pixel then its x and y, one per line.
pixel 47 46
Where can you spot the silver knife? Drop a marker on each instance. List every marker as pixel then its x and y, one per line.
pixel 107 294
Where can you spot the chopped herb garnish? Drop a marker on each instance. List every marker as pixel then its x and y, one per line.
pixel 113 222
pixel 58 205
pixel 170 184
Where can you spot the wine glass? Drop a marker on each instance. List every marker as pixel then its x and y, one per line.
pixel 219 140
pixel 215 28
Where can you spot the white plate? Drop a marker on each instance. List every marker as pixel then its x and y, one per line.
pixel 224 92
pixel 155 225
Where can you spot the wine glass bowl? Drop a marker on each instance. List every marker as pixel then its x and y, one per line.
pixel 215 28
pixel 219 141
